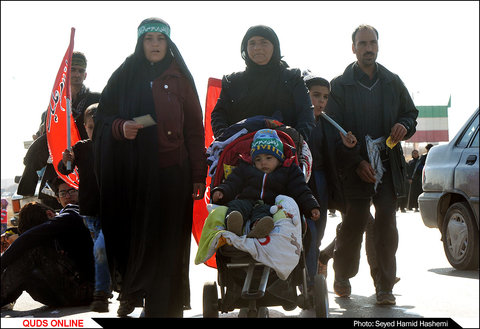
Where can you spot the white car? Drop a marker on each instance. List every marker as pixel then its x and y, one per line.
pixel 450 195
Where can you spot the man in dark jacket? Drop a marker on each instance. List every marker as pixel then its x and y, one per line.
pixel 369 100
pixel 37 154
pixel 52 261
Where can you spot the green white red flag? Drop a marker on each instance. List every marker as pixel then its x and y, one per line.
pixel 432 124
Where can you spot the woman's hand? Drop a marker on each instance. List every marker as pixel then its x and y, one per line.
pixel 198 191
pixel 130 129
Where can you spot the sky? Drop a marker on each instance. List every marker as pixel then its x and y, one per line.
pixel 432 46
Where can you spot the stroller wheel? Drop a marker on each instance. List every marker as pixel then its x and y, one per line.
pixel 320 297
pixel 210 300
pixel 245 312
pixel 262 312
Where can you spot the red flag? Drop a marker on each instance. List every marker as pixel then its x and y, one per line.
pixel 200 211
pixel 61 129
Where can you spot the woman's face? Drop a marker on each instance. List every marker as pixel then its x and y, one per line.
pixel 260 50
pixel 155 46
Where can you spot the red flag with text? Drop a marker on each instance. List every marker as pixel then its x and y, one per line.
pixel 200 211
pixel 60 126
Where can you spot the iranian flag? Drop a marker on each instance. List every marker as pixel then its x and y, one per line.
pixel 432 124
pixel 61 129
pixel 200 211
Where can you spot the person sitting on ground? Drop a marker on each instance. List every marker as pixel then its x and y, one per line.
pixel 52 259
pixel 249 191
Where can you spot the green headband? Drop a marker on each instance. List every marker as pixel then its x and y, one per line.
pixel 154 27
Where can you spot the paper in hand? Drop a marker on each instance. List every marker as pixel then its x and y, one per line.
pixel 145 120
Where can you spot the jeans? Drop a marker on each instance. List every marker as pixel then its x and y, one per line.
pixel 316 228
pixel 102 273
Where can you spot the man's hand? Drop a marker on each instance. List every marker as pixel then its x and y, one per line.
pixel 397 133
pixel 366 172
pixel 67 156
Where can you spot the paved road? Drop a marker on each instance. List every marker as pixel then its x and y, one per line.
pixel 429 286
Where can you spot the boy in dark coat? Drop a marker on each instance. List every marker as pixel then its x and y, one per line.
pixel 249 191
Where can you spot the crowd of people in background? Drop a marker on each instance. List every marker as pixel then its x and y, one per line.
pixel 127 228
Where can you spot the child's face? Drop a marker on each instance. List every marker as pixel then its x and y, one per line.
pixel 319 98
pixel 89 125
pixel 266 163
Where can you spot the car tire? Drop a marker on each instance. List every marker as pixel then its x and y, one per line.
pixel 460 237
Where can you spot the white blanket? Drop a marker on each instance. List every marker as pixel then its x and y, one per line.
pixel 280 250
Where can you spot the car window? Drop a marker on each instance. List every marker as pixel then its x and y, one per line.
pixel 463 142
pixel 475 141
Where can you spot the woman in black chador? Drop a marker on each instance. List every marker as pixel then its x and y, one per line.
pixel 149 175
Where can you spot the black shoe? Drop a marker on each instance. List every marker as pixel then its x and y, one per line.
pixel 342 288
pixel 385 298
pixel 126 307
pixel 100 301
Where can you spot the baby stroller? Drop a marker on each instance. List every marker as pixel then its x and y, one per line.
pixel 247 284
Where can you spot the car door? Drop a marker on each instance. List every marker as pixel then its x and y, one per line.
pixel 467 170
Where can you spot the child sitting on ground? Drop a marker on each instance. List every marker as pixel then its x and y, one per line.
pixel 250 190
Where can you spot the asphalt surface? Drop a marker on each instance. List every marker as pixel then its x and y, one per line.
pixel 429 287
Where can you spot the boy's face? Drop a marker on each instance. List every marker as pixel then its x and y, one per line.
pixel 266 163
pixel 67 194
pixel 319 98
pixel 89 125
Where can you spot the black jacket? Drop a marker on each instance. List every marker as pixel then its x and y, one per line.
pixel 329 154
pixel 343 106
pixel 67 233
pixel 88 193
pixel 293 106
pixel 247 182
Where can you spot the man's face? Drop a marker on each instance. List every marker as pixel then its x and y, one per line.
pixel 366 47
pixel 67 194
pixel 77 75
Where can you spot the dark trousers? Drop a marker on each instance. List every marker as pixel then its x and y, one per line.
pixel 385 242
pixel 49 277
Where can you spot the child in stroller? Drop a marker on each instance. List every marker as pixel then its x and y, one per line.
pixel 251 190
pixel 241 191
